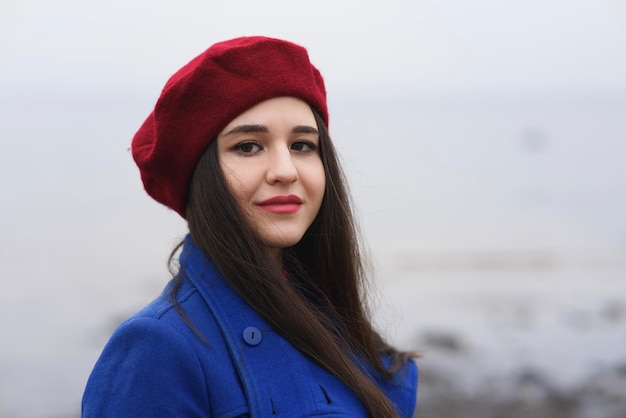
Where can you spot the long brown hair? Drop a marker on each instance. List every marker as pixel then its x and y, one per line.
pixel 320 309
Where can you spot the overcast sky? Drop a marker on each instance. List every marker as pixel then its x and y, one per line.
pixel 438 44
pixel 58 58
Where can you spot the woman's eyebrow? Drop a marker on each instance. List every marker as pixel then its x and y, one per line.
pixel 300 129
pixel 247 129
pixel 303 129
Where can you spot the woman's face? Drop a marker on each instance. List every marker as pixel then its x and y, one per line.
pixel 269 156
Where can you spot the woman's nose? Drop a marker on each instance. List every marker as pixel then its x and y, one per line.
pixel 281 167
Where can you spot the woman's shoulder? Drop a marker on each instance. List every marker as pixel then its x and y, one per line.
pixel 163 308
pixel 144 357
pixel 156 330
pixel 166 321
pixel 155 361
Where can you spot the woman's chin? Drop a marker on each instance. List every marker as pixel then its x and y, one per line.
pixel 280 243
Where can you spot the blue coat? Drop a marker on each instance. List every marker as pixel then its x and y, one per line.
pixel 154 365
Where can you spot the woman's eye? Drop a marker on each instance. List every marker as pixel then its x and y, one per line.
pixel 247 148
pixel 303 146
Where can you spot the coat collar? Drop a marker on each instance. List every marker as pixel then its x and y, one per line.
pixel 263 364
pixel 234 317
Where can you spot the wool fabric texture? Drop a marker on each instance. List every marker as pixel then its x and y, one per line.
pixel 201 98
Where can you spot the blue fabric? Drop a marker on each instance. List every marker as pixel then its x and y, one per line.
pixel 154 365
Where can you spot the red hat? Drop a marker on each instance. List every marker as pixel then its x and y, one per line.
pixel 201 98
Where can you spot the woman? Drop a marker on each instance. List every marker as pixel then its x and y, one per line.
pixel 265 314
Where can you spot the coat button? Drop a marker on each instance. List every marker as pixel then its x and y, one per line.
pixel 252 336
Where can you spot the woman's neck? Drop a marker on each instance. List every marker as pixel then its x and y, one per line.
pixel 276 254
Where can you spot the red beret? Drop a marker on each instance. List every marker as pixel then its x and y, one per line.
pixel 201 98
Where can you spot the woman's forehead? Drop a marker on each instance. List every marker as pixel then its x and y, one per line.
pixel 276 111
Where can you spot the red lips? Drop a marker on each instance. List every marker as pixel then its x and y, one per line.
pixel 281 204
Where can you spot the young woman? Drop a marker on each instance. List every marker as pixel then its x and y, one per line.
pixel 265 315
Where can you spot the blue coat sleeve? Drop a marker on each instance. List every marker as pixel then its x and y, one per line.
pixel 147 369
